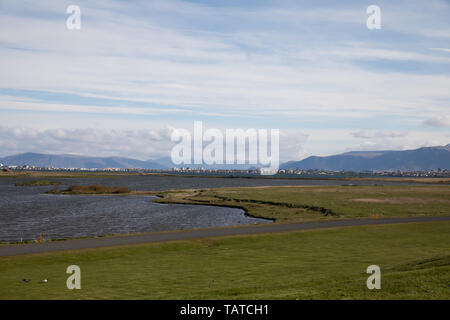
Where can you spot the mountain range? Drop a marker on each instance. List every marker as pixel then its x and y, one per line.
pixel 73 161
pixel 426 158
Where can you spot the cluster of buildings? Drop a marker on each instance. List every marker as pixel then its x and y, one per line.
pixel 381 173
pixel 251 171
pixel 35 168
pixel 320 172
pixel 4 168
pixel 215 171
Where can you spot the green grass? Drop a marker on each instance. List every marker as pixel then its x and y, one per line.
pixel 321 264
pixel 294 203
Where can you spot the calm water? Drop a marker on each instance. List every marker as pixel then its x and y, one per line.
pixel 27 212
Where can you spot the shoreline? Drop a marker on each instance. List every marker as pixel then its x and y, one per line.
pixel 254 207
pixel 170 236
pixel 76 174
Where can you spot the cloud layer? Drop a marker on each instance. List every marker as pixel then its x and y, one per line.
pixel 299 66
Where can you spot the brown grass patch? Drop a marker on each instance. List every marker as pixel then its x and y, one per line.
pixel 96 188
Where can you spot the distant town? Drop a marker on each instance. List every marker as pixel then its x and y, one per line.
pixel 228 172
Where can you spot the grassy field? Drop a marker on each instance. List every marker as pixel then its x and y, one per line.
pixel 322 264
pixel 294 204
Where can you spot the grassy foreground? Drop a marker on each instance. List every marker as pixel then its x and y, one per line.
pixel 303 203
pixel 322 264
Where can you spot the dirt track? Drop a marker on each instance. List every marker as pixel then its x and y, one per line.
pixel 19 249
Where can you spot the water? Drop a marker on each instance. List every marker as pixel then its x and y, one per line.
pixel 27 212
pixel 158 183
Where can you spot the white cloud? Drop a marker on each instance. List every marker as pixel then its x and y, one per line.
pixel 373 134
pixel 153 143
pixel 439 121
pixel 441 49
pixel 192 60
pixel 141 144
pixel 138 143
pixel 122 57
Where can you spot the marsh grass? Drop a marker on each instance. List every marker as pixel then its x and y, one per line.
pixel 305 203
pixel 37 183
pixel 92 189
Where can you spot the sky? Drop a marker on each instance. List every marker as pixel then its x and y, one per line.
pixel 136 70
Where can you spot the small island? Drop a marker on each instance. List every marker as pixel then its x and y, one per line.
pixel 91 189
pixel 37 183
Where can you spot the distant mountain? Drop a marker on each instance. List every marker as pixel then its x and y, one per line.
pixel 72 161
pixel 426 158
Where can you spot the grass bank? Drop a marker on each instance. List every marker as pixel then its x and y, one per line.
pixel 301 203
pixel 321 264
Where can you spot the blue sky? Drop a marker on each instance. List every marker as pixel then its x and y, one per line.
pixel 137 69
